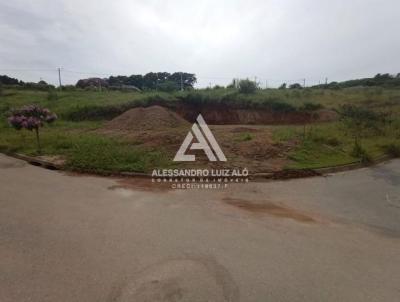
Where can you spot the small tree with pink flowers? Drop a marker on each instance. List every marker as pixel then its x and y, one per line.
pixel 31 117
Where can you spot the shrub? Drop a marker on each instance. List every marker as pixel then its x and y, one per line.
pixel 330 141
pixel 247 86
pixel 308 106
pixel 361 122
pixel 31 117
pixel 280 106
pixel 361 153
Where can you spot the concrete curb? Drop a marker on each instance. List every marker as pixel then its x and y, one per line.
pixel 259 175
pixel 352 166
pixel 35 161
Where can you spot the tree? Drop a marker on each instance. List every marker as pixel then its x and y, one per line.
pixel 31 117
pixel 136 80
pixel 6 80
pixel 168 86
pixel 150 80
pixel 283 86
pixel 92 82
pixel 247 86
pixel 188 79
pixel 295 86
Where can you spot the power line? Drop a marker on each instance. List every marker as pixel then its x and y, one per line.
pixel 30 69
pixel 269 82
pixel 87 73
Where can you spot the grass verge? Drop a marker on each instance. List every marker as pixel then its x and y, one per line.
pixel 328 145
pixel 83 149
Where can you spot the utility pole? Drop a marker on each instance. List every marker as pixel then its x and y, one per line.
pixel 181 82
pixel 326 81
pixel 266 84
pixel 59 77
pixel 304 83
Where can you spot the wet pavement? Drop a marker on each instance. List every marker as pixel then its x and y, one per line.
pixel 84 238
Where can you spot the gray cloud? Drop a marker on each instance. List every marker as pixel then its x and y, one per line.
pixel 218 40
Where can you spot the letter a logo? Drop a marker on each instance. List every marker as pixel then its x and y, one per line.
pixel 205 141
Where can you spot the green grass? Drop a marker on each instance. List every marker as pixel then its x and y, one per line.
pixel 243 137
pixel 83 149
pixel 69 102
pixel 329 145
pixel 93 153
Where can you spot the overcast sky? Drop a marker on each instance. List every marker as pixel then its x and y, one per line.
pixel 279 41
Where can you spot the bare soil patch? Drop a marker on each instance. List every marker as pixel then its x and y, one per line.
pixel 221 115
pixel 157 128
pixel 244 130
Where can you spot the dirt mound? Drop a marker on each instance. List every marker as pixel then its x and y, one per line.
pixel 149 118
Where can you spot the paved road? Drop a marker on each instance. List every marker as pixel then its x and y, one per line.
pixel 80 238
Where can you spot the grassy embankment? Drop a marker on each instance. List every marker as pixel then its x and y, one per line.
pixel 81 112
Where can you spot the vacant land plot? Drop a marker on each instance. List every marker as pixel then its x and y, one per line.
pixel 300 127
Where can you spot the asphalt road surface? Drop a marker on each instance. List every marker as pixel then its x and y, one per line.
pixel 83 238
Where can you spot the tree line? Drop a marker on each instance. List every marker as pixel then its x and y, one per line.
pixel 383 80
pixel 163 81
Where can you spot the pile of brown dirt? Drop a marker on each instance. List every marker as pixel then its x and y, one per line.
pixel 149 118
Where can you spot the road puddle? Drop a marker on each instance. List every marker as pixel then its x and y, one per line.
pixel 140 184
pixel 269 208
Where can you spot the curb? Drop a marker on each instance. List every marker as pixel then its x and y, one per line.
pixel 284 174
pixel 352 166
pixel 35 161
